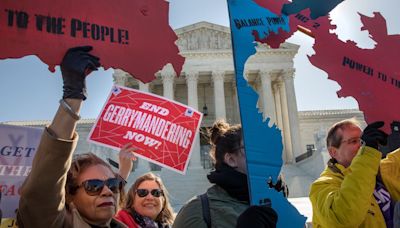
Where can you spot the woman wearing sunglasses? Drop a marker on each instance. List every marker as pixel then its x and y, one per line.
pixel 61 191
pixel 147 204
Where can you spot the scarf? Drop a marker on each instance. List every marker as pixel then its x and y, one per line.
pixel 146 222
pixel 385 201
pixel 232 181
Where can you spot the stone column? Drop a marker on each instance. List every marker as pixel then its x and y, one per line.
pixel 278 105
pixel 144 87
pixel 191 80
pixel 168 75
pixel 293 113
pixel 288 156
pixel 219 94
pixel 267 96
pixel 120 77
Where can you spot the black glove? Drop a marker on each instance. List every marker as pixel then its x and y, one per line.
pixel 76 64
pixel 257 217
pixel 280 186
pixel 373 136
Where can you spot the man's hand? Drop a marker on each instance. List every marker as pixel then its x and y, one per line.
pixel 373 136
pixel 257 217
pixel 126 157
pixel 76 64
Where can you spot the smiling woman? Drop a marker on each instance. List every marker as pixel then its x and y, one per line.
pixel 147 204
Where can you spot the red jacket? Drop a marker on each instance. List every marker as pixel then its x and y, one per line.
pixel 124 217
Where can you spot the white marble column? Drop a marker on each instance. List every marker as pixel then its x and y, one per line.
pixel 278 105
pixel 144 87
pixel 168 75
pixel 293 112
pixel 267 96
pixel 191 80
pixel 288 156
pixel 219 94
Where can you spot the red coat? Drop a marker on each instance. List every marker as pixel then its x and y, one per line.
pixel 124 217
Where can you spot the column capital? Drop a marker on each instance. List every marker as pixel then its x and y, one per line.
pixel 168 70
pixel 192 76
pixel 288 74
pixel 167 78
pixel 120 77
pixel 218 75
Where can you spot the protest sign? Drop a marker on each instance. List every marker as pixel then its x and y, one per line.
pixel 163 130
pixel 17 148
pixel 133 36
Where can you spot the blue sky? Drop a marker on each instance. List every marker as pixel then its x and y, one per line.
pixel 28 91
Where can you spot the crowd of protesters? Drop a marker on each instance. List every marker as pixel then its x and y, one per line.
pixel 359 187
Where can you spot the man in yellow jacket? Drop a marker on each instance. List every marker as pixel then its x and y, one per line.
pixel 350 192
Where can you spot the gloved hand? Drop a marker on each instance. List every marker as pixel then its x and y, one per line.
pixel 373 136
pixel 257 217
pixel 280 186
pixel 76 64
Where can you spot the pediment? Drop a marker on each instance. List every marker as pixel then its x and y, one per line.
pixel 203 36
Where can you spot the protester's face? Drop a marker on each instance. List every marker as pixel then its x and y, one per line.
pixel 240 158
pixel 98 209
pixel 349 145
pixel 149 205
pixel 237 160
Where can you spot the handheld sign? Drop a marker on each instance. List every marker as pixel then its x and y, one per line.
pixel 17 148
pixel 163 130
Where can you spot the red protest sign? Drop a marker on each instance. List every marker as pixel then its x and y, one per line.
pixel 163 130
pixel 134 36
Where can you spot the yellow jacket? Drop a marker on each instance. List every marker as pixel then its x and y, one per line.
pixel 343 197
pixel 390 173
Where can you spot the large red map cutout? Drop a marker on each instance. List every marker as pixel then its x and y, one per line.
pixel 130 35
pixel 371 76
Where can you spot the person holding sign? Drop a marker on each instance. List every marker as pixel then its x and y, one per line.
pixel 226 203
pixel 62 191
pixel 358 188
pixel 147 204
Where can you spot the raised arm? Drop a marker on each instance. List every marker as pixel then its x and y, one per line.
pixel 42 202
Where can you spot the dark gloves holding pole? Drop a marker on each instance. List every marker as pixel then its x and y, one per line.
pixel 373 136
pixel 76 64
pixel 279 186
pixel 257 217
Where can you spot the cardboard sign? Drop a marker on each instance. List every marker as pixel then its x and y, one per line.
pixel 134 36
pixel 17 149
pixel 163 130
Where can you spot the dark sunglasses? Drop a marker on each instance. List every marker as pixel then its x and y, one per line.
pixel 154 192
pixel 95 186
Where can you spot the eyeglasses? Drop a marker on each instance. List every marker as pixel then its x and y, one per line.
pixel 154 192
pixel 94 187
pixel 352 141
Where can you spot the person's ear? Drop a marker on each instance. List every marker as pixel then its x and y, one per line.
pixel 332 151
pixel 230 160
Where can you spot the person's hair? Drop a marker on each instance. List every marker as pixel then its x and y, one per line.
pixel 166 216
pixel 79 164
pixel 224 138
pixel 333 138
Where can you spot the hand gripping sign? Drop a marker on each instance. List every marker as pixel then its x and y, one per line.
pixel 163 130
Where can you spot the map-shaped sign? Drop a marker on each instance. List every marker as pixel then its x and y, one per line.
pixel 263 144
pixel 371 76
pixel 130 35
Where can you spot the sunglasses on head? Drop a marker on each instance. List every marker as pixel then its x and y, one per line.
pixel 153 192
pixel 95 186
